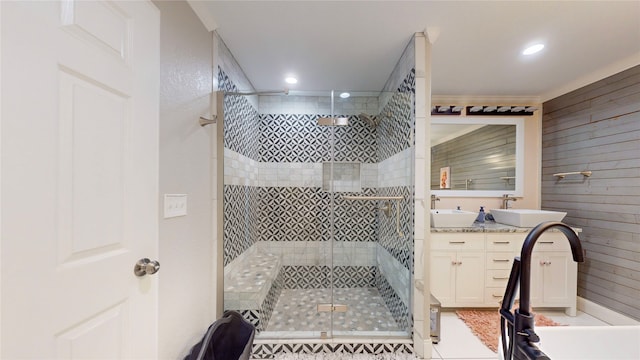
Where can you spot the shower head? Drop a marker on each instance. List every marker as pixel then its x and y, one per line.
pixel 370 120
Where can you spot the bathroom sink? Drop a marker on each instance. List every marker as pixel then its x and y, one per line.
pixel 452 218
pixel 525 217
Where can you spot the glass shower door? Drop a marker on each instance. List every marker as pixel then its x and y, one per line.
pixel 371 172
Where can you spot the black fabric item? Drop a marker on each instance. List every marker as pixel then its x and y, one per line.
pixel 229 338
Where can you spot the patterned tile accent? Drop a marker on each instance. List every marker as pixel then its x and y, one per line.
pixel 394 132
pixel 302 214
pixel 306 277
pixel 298 138
pixel 400 248
pixel 319 277
pixel 268 350
pixel 293 214
pixel 356 220
pixel 241 121
pixel 252 316
pixel 399 310
pixel 240 219
pixel 354 276
pixel 269 304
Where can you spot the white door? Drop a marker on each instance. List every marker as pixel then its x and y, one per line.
pixel 80 84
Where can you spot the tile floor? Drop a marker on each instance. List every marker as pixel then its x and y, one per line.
pixel 296 311
pixel 458 342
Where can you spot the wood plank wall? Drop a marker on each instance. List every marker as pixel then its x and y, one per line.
pixel 597 128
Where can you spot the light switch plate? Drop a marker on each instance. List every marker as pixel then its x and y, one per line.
pixel 175 205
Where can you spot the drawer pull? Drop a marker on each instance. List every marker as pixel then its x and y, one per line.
pixel 500 260
pixel 456 242
pixel 496 296
pixel 500 278
pixel 502 242
pixel 546 242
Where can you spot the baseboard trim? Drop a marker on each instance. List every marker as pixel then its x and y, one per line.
pixel 605 314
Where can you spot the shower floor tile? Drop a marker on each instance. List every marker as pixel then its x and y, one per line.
pixel 296 311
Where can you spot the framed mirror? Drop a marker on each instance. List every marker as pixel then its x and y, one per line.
pixel 477 156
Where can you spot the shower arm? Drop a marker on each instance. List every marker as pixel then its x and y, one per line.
pixel 388 199
pixel 266 92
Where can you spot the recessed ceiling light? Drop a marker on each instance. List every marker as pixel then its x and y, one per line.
pixel 344 95
pixel 533 49
pixel 291 80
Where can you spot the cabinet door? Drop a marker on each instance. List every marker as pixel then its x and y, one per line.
pixel 537 279
pixel 443 276
pixel 470 277
pixel 556 288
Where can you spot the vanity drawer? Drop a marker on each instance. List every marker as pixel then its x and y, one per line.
pixel 552 242
pixel 493 295
pixel 505 242
pixel 500 260
pixel 497 278
pixel 457 241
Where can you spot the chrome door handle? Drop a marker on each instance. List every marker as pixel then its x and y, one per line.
pixel 146 267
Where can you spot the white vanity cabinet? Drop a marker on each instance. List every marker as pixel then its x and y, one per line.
pixel 457 268
pixel 554 274
pixel 471 269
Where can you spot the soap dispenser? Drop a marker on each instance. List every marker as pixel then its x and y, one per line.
pixel 480 218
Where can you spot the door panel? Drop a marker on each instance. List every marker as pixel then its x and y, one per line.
pixel 79 178
pixel 443 276
pixel 92 142
pixel 556 275
pixel 470 281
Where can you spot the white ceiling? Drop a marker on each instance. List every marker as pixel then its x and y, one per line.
pixel 354 45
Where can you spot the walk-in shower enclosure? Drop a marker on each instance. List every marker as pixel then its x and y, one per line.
pixel 318 218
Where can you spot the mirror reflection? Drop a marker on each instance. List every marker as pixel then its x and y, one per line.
pixel 479 158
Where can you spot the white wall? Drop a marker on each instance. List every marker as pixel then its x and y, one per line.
pixel 185 303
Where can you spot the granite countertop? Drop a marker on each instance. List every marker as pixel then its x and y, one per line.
pixel 490 226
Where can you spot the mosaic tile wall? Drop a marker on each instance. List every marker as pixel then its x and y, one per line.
pixel 240 205
pixel 399 310
pixel 395 142
pixel 396 128
pixel 241 217
pixel 241 124
pixel 400 247
pixel 298 138
pixel 319 277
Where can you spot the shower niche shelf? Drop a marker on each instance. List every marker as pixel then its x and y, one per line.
pixel 341 176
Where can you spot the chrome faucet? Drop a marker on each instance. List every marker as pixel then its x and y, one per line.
pixel 433 201
pixel 520 324
pixel 505 200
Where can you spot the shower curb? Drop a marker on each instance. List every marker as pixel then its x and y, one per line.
pixel 266 350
